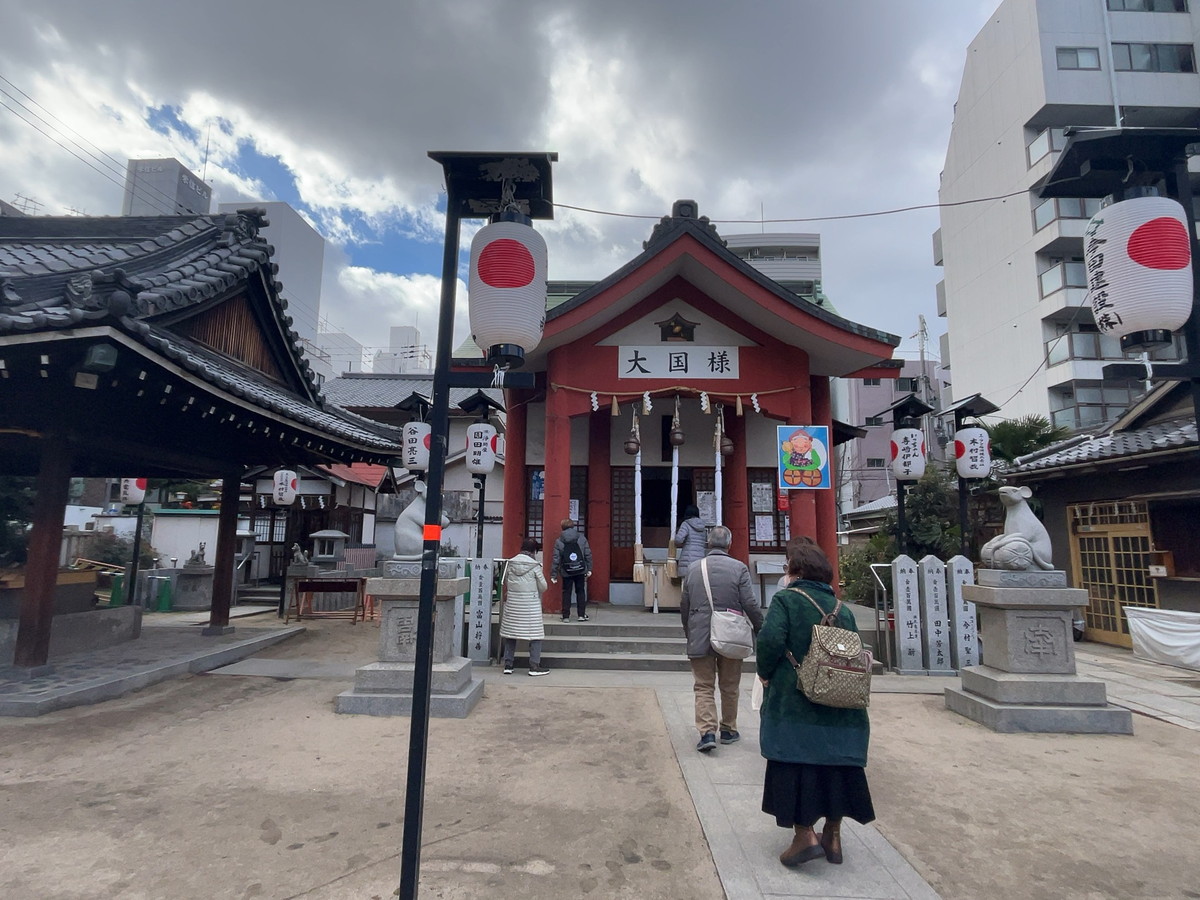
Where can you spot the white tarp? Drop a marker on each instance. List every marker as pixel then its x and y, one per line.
pixel 1165 636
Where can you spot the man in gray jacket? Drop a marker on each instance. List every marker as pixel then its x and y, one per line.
pixel 731 587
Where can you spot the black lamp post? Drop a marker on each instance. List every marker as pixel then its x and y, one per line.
pixel 480 404
pixel 1121 162
pixel 906 413
pixel 478 186
pixel 974 406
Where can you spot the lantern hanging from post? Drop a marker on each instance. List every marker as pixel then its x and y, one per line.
pixel 416 446
pixel 133 491
pixel 507 288
pixel 1138 256
pixel 481 448
pixel 284 487
pixel 908 454
pixel 972 452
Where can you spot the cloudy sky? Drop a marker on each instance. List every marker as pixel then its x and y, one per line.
pixel 791 109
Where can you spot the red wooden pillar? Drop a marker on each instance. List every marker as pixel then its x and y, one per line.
pixel 737 488
pixel 599 509
pixel 556 504
pixel 826 534
pixel 41 567
pixel 222 599
pixel 802 504
pixel 516 489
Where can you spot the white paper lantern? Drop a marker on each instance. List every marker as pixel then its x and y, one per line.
pixel 972 452
pixel 908 454
pixel 508 289
pixel 284 487
pixel 481 448
pixel 416 446
pixel 133 491
pixel 1138 260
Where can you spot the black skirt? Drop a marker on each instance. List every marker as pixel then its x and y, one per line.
pixel 799 793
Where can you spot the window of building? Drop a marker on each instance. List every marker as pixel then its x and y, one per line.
pixel 1154 58
pixel 1148 5
pixel 1084 404
pixel 1079 57
pixel 874 462
pixel 1062 273
pixel 907 385
pixel 871 382
pixel 1057 208
pixel 1047 141
pixel 874 420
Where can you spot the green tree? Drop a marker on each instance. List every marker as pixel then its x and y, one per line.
pixel 931 519
pixel 16 515
pixel 1012 438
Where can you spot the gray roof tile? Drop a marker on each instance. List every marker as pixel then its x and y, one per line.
pixel 1120 445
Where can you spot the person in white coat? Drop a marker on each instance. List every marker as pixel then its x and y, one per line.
pixel 521 618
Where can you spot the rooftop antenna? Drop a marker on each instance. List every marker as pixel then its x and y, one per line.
pixel 207 143
pixel 762 217
pixel 27 205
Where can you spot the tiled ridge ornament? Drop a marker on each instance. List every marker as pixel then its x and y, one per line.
pixel 385 688
pixel 1027 681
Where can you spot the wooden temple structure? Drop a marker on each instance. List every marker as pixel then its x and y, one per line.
pixel 152 347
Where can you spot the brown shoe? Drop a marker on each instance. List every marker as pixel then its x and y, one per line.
pixel 800 852
pixel 831 842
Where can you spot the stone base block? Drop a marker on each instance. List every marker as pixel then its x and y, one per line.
pixel 1011 718
pixel 449 677
pixel 1040 578
pixel 441 706
pixel 1033 690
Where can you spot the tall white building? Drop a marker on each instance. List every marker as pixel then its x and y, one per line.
pixel 1019 330
pixel 300 254
pixel 164 187
pixel 405 355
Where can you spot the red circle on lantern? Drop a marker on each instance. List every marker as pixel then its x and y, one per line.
pixel 959 449
pixel 1161 243
pixel 895 450
pixel 141 483
pixel 428 440
pixel 505 263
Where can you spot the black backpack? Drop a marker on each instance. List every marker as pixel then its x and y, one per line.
pixel 573 562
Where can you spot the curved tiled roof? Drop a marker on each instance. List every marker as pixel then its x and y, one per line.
pixel 1167 435
pixel 139 274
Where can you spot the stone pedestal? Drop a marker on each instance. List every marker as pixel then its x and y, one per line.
pixel 385 688
pixel 1027 682
pixel 193 589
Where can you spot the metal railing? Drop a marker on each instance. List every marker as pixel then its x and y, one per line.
pixel 883 631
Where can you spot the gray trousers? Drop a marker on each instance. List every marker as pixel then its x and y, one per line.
pixel 510 651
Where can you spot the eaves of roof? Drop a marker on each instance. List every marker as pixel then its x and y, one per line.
pixel 1155 441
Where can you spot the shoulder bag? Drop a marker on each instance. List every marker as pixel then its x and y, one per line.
pixel 729 630
pixel 836 670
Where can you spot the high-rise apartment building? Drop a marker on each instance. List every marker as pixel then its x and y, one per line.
pixel 1020 331
pixel 164 187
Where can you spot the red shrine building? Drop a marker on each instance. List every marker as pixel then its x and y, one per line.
pixel 689 336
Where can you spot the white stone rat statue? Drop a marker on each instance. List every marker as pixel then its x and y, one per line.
pixel 1025 543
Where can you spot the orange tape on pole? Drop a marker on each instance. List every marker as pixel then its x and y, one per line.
pixel 433 533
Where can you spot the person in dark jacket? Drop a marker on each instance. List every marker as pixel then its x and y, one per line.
pixel 816 755
pixel 731 587
pixel 573 581
pixel 690 538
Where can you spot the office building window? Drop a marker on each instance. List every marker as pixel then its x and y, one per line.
pixel 1079 57
pixel 874 420
pixel 871 382
pixel 1154 58
pixel 1148 5
pixel 874 462
pixel 907 385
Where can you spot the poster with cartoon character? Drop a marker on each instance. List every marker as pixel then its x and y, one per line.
pixel 803 457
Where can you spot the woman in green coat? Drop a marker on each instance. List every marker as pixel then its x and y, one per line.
pixel 815 754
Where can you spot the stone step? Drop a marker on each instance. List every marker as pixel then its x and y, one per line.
pixel 601 644
pixel 672 629
pixel 645 662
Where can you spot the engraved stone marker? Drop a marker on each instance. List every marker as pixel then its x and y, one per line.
pixel 931 578
pixel 479 635
pixel 964 649
pixel 909 653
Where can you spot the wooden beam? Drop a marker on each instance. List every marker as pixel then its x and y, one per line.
pixel 222 599
pixel 41 568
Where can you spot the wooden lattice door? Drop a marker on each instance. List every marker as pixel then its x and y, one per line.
pixel 1110 559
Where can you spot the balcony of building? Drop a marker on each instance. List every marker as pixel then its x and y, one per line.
pixel 1059 223
pixel 1062 284
pixel 940 290
pixel 1080 355
pixel 1090 403
pixel 937 248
